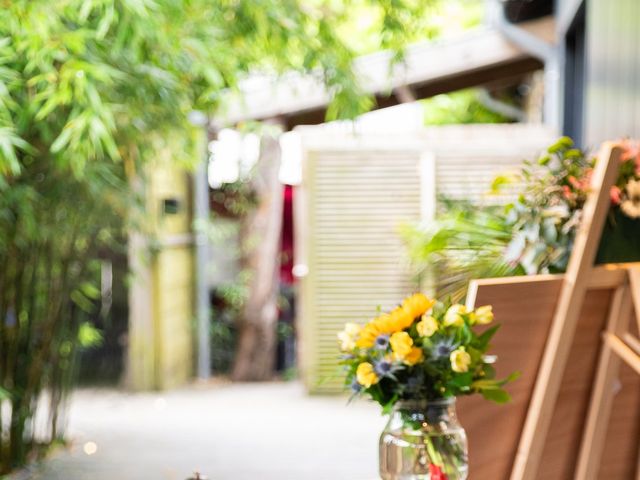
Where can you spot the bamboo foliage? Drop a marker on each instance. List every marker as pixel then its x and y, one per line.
pixel 89 91
pixel 48 244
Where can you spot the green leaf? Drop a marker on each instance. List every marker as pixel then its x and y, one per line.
pixel 461 380
pixel 5 394
pixel 485 337
pixel 562 144
pixel 544 160
pixel 89 336
pixel 90 290
pixel 499 182
pixel 497 395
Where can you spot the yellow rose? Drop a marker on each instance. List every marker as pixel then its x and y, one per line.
pixel 417 304
pixel 366 375
pixel 427 326
pixel 402 318
pixel 414 356
pixel 401 344
pixel 348 336
pixel 482 315
pixel 460 360
pixel 368 334
pixel 453 317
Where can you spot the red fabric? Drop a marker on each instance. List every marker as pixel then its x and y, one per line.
pixel 287 245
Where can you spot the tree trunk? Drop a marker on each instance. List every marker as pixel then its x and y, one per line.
pixel 260 234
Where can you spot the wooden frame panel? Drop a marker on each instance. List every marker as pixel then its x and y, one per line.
pixel 573 383
pixel 525 307
pixel 567 314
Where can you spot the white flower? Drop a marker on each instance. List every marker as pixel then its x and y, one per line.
pixel 557 211
pixel 348 336
pixel 631 205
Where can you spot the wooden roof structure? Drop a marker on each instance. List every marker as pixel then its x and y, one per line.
pixel 480 57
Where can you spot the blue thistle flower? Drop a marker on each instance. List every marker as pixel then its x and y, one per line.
pixel 382 342
pixel 356 387
pixel 383 368
pixel 442 348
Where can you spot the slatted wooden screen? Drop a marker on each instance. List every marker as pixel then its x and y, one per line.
pixel 359 199
pixel 356 192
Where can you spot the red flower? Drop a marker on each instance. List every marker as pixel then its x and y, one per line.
pixel 574 182
pixel 615 194
pixel 436 473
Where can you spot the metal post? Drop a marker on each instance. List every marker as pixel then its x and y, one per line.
pixel 201 218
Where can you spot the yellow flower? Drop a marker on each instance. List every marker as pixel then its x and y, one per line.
pixel 348 336
pixel 368 335
pixel 401 344
pixel 460 360
pixel 401 318
pixel 482 315
pixel 366 375
pixel 427 326
pixel 385 324
pixel 453 317
pixel 414 356
pixel 417 305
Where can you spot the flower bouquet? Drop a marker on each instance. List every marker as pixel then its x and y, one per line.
pixel 621 235
pixel 414 361
pixel 545 218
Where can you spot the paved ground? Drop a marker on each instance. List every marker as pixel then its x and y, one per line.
pixel 229 432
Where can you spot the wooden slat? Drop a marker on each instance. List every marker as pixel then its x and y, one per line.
pixel 603 391
pixel 622 438
pixel 634 280
pixel 566 317
pixel 603 277
pixel 633 342
pixel 356 203
pixel 623 350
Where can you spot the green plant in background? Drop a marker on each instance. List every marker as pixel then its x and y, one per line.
pixel 51 229
pixel 465 241
pixel 461 107
pixel 546 214
pixel 361 28
pixel 535 233
pixel 90 91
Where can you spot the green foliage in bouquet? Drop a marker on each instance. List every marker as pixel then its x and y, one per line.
pixel 422 350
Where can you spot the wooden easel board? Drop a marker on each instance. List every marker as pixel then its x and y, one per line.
pixel 525 307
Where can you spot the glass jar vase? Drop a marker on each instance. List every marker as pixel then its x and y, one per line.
pixel 423 440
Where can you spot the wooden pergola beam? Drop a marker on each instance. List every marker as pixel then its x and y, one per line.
pixel 480 57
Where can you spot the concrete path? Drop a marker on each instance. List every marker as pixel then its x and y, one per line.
pixel 228 432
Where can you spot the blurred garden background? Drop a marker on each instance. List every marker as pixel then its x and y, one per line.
pixel 195 196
